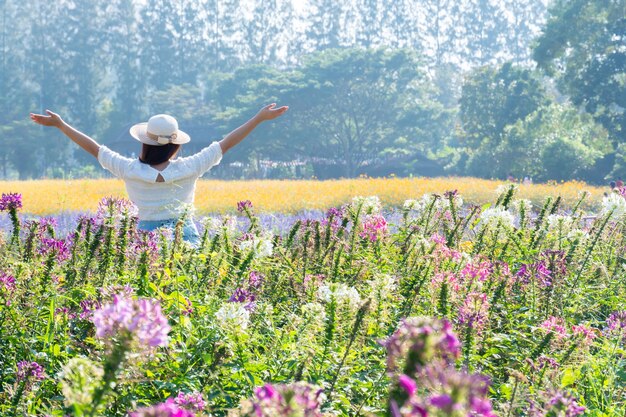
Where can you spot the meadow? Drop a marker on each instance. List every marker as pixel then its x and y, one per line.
pixel 436 308
pixel 49 197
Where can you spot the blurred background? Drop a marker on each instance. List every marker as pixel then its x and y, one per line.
pixel 484 88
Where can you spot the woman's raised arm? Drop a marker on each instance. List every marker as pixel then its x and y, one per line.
pixel 54 120
pixel 268 112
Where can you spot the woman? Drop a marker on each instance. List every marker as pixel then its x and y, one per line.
pixel 160 185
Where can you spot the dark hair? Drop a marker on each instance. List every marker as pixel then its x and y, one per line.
pixel 154 155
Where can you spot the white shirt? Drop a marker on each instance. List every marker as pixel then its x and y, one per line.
pixel 161 200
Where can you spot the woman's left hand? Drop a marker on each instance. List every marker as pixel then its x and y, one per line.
pixel 270 112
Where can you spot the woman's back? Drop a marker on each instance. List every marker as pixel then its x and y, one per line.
pixel 161 194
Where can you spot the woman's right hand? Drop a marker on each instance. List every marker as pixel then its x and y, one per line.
pixel 52 119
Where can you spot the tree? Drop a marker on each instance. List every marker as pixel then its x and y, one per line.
pixel 482 23
pixel 525 20
pixel 348 108
pixel 124 43
pixel 327 27
pixel 492 99
pixel 583 46
pixel 555 142
pixel 229 29
pixel 370 24
pixel 269 32
pixel 160 54
pixel 351 105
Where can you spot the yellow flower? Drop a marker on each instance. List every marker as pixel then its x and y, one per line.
pixel 466 246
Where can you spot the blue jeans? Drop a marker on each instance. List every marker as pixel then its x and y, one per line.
pixel 190 231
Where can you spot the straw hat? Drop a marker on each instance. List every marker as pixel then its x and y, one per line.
pixel 160 130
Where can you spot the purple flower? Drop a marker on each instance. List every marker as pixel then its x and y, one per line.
pixel 266 392
pixel 616 324
pixel 407 384
pixel 616 321
pixel 448 390
pixel 145 242
pixel 7 281
pixel 188 308
pixel 542 362
pixel 538 271
pixel 441 401
pixel 296 399
pixel 58 249
pixel 451 193
pixel 473 313
pixel 451 343
pixel 244 205
pixel 556 261
pixel 243 296
pixel 166 409
pixel 10 201
pixel 255 280
pixel 192 401
pixel 334 212
pixel 88 307
pixel 566 404
pixel 423 340
pixel 114 209
pixel 141 319
pixel 555 403
pixel 29 372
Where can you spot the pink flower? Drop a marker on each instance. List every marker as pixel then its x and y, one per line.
pixel 374 227
pixel 556 325
pixel 585 332
pixel 192 401
pixel 296 399
pixel 407 384
pixel 166 409
pixel 477 270
pixel 142 319
pixel 473 313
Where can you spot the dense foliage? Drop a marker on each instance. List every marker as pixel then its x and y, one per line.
pixel 330 317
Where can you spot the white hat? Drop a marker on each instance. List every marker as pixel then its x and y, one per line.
pixel 160 130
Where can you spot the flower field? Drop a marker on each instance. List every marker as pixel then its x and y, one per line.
pixel 438 307
pixel 47 197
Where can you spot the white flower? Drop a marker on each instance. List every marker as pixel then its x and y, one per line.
pixel 382 286
pixel 614 203
pixel 412 205
pixel 577 234
pixel 226 224
pixel 314 314
pixel 369 205
pixel 261 245
pixel 557 222
pixel 79 379
pixel 444 203
pixel 503 188
pixel 427 200
pixel 212 224
pixel 497 215
pixel 523 205
pixel 341 293
pixel 232 317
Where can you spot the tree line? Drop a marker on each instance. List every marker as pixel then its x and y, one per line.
pixel 409 87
